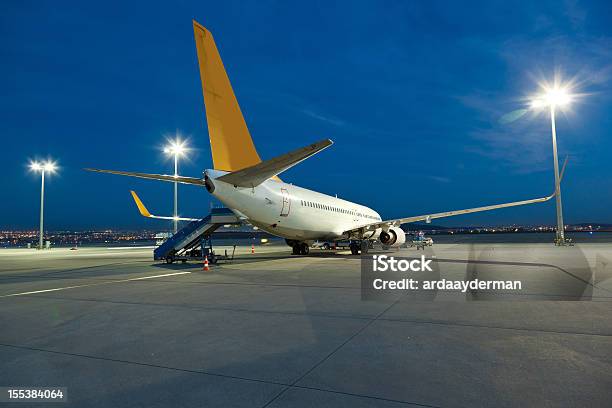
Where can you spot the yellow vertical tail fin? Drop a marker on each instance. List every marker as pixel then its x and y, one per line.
pixel 230 141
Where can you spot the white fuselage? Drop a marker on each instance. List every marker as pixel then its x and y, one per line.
pixel 292 212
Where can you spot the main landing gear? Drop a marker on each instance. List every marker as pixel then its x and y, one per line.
pixel 299 248
pixel 357 246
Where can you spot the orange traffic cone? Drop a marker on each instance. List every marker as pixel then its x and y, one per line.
pixel 252 248
pixel 206 268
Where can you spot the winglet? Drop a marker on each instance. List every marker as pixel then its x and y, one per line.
pixel 143 210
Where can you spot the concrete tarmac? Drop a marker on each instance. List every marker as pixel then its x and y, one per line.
pixel 274 330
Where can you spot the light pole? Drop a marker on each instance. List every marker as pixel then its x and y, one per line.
pixel 176 148
pixel 552 98
pixel 47 167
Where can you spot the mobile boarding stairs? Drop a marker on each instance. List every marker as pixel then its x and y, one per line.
pixel 193 240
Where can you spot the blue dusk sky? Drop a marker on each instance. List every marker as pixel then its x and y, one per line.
pixel 424 101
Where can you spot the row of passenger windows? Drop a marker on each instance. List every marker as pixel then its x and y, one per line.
pixel 335 209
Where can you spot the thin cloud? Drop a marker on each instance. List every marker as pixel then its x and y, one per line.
pixel 575 14
pixel 439 179
pixel 327 119
pixel 522 141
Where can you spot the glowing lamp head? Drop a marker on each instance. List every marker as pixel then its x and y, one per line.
pixel 551 97
pixel 48 166
pixel 176 148
pixel 557 97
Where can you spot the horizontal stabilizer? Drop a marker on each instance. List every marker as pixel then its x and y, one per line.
pixel 162 177
pixel 257 174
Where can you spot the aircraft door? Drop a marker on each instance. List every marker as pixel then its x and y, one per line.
pixel 286 203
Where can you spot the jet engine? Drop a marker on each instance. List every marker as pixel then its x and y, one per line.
pixel 394 237
pixel 209 184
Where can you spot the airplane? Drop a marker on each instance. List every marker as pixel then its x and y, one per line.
pixel 251 188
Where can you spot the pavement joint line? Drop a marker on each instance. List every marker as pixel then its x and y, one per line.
pixel 202 372
pixel 486 326
pixel 193 282
pixel 92 284
pixel 116 360
pixel 207 308
pixel 44 278
pixel 418 404
pixel 323 315
pixel 263 284
pixel 290 285
pixel 329 355
pixel 57 271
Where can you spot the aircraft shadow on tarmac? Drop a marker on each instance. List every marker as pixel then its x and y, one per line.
pixel 267 257
pixel 542 280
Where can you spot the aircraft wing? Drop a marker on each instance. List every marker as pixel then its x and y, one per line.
pixel 145 213
pixel 428 217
